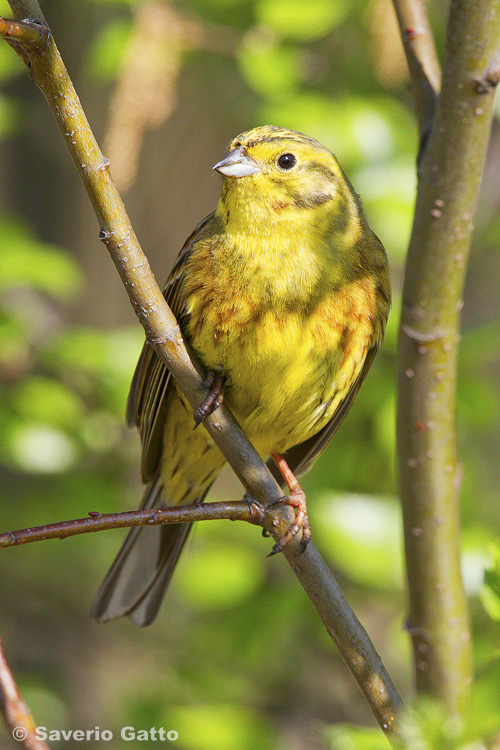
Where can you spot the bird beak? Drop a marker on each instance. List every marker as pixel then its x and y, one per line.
pixel 237 164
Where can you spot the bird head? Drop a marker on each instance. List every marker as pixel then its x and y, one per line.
pixel 275 174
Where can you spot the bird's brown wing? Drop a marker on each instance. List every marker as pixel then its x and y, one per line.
pixel 151 382
pixel 301 457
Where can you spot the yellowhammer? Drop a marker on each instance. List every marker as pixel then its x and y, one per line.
pixel 283 293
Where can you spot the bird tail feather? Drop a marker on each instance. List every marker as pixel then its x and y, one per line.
pixel 138 578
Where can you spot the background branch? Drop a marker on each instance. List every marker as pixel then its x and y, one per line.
pixel 49 73
pixel 421 55
pixel 15 712
pixel 430 474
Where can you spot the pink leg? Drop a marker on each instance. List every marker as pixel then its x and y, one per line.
pixel 296 499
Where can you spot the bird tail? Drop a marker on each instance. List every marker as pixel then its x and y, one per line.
pixel 138 578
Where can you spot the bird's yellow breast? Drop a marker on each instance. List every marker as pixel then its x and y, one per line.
pixel 290 358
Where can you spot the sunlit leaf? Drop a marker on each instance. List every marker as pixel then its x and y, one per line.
pixel 221 727
pixel 41 449
pixel 428 725
pixel 296 19
pixel 387 190
pixel 220 575
pixel 271 69
pixel 344 737
pixel 106 51
pixel 359 131
pixel 490 591
pixel 362 535
pixel 10 63
pixel 13 347
pixel 43 400
pixel 483 715
pixel 95 350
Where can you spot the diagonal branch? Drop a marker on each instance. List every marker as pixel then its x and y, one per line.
pixel 49 73
pixel 16 713
pixel 430 474
pixel 423 64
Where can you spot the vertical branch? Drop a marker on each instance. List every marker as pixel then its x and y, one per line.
pixel 430 476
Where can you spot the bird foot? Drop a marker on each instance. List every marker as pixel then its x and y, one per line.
pixel 297 500
pixel 216 382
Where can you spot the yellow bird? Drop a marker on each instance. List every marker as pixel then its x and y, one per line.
pixel 283 293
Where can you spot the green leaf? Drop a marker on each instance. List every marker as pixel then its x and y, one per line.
pixel 428 726
pixel 97 360
pixel 93 351
pixel 220 727
pixel 119 2
pixel 27 262
pixel 359 131
pixel 346 737
pixel 220 575
pixel 10 63
pixel 296 19
pixel 43 700
pixel 272 70
pixel 490 591
pixel 387 190
pixel 479 406
pixel 9 114
pixel 362 535
pixel 13 348
pixel 106 51
pixel 483 715
pixel 43 400
pixel 40 449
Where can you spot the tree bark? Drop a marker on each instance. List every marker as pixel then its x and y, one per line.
pixel 430 474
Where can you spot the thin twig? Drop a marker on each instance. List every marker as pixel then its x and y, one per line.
pixel 430 473
pixel 15 712
pixel 49 73
pixel 421 55
pixel 352 640
pixel 33 35
pixel 233 511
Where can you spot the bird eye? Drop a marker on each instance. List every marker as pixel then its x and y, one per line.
pixel 286 161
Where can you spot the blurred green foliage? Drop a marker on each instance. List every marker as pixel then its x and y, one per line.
pixel 238 659
pixel 490 592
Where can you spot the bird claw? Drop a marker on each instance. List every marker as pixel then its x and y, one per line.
pixel 216 382
pixel 297 500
